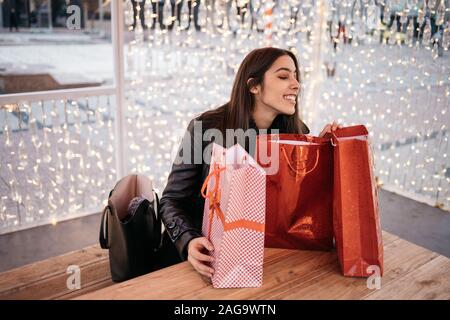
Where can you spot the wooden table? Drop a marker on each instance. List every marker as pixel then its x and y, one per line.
pixel 411 272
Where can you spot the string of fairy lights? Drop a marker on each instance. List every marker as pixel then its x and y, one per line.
pixel 57 159
pixel 384 64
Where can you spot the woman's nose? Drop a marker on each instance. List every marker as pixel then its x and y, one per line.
pixel 295 84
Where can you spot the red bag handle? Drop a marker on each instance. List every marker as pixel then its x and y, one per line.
pixel 297 172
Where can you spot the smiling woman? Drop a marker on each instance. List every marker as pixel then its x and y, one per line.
pixel 264 80
pixel 264 97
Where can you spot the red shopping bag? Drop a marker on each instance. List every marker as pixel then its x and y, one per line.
pixel 356 219
pixel 299 192
pixel 234 217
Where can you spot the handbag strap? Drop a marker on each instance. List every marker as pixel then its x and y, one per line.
pixel 157 205
pixel 157 226
pixel 103 238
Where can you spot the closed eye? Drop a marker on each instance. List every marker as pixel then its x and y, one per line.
pixel 284 78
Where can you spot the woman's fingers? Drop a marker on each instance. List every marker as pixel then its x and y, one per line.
pixel 205 269
pixel 204 273
pixel 202 257
pixel 329 128
pixel 325 130
pixel 199 245
pixel 334 126
pixel 198 259
pixel 206 243
pixel 200 267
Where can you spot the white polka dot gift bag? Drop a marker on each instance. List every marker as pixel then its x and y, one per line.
pixel 234 217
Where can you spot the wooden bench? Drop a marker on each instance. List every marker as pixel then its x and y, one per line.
pixel 47 279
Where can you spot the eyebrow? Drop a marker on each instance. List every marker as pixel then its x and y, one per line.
pixel 285 69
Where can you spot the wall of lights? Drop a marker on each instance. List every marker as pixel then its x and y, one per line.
pixel 57 159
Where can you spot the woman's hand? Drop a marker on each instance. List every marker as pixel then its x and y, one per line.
pixel 197 258
pixel 330 128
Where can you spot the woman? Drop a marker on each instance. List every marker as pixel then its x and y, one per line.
pixel 264 96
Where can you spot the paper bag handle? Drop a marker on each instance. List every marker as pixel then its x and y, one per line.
pixel 299 172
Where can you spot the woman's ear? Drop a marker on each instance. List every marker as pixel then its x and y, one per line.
pixel 250 85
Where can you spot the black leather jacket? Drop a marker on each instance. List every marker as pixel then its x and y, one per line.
pixel 181 205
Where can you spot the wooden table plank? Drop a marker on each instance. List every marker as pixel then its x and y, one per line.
pixel 46 268
pixel 276 277
pixel 400 258
pixel 56 286
pixel 47 279
pixel 284 272
pixel 85 288
pixel 430 281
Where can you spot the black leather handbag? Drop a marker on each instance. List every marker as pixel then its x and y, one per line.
pixel 131 228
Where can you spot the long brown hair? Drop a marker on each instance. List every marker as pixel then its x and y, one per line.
pixel 236 113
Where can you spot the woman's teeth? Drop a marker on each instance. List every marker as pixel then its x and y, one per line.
pixel 290 97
